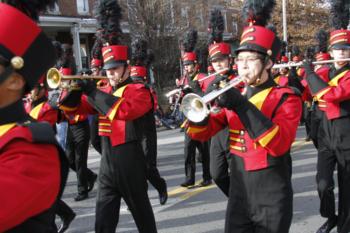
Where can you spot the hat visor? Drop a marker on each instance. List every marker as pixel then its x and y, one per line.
pixel 251 47
pixel 340 46
pixel 188 63
pixel 218 56
pixel 113 64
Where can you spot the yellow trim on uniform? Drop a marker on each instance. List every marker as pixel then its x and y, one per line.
pixel 184 124
pixel 268 137
pixel 118 93
pixel 235 131
pixel 240 140
pixel 35 111
pixel 195 77
pixel 68 109
pixel 111 115
pixel 277 79
pixel 105 130
pixel 196 129
pixel 322 93
pixel 104 124
pixel 259 98
pixel 334 82
pixel 76 118
pixel 239 148
pixel 5 128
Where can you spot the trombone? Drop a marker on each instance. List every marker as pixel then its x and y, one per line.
pixel 295 64
pixel 195 108
pixel 54 78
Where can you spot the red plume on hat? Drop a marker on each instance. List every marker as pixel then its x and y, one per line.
pixel 109 16
pixel 339 18
pixel 256 37
pixel 217 47
pixel 24 48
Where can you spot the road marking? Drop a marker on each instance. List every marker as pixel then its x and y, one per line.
pixel 299 144
pixel 181 189
pixel 196 192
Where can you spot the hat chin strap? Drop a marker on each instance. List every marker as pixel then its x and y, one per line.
pixel 122 77
pixel 257 80
pixel 4 75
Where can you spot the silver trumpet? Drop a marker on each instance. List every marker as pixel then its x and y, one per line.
pixel 195 108
pixel 173 92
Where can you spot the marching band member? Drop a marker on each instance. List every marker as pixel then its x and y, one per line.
pixel 33 170
pixel 332 93
pixel 122 171
pixel 321 54
pixel 262 127
pixel 77 148
pixel 220 60
pixel 192 84
pixel 140 61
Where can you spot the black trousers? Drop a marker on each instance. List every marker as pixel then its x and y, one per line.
pixel 260 201
pixel 190 158
pixel 77 152
pixel 334 152
pixel 315 121
pixel 219 160
pixel 307 119
pixel 94 137
pixel 149 146
pixel 63 210
pixel 123 175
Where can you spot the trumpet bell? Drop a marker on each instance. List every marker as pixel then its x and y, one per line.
pixel 53 78
pixel 194 108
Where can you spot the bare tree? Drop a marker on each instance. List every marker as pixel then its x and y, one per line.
pixel 305 18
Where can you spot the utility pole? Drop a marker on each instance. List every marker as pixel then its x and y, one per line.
pixel 284 18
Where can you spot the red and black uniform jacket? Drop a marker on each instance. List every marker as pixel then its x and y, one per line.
pixel 263 128
pixel 128 102
pixel 281 80
pixel 293 80
pixel 42 111
pixel 204 81
pixel 32 172
pixel 72 118
pixel 332 91
pixel 305 94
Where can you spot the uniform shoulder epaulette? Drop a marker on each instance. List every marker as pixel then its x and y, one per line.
pixel 289 90
pixel 42 132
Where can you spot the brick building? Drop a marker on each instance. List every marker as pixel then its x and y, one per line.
pixel 72 21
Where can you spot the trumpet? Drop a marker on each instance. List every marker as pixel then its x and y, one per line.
pixel 54 78
pixel 173 92
pixel 195 108
pixel 295 64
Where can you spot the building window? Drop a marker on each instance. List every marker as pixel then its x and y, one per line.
pixel 83 7
pixel 55 10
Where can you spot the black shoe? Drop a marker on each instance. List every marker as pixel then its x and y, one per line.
pixel 163 197
pixel 205 183
pixel 92 182
pixel 81 196
pixel 328 225
pixel 66 221
pixel 187 184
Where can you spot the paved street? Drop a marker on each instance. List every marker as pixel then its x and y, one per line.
pixel 200 210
